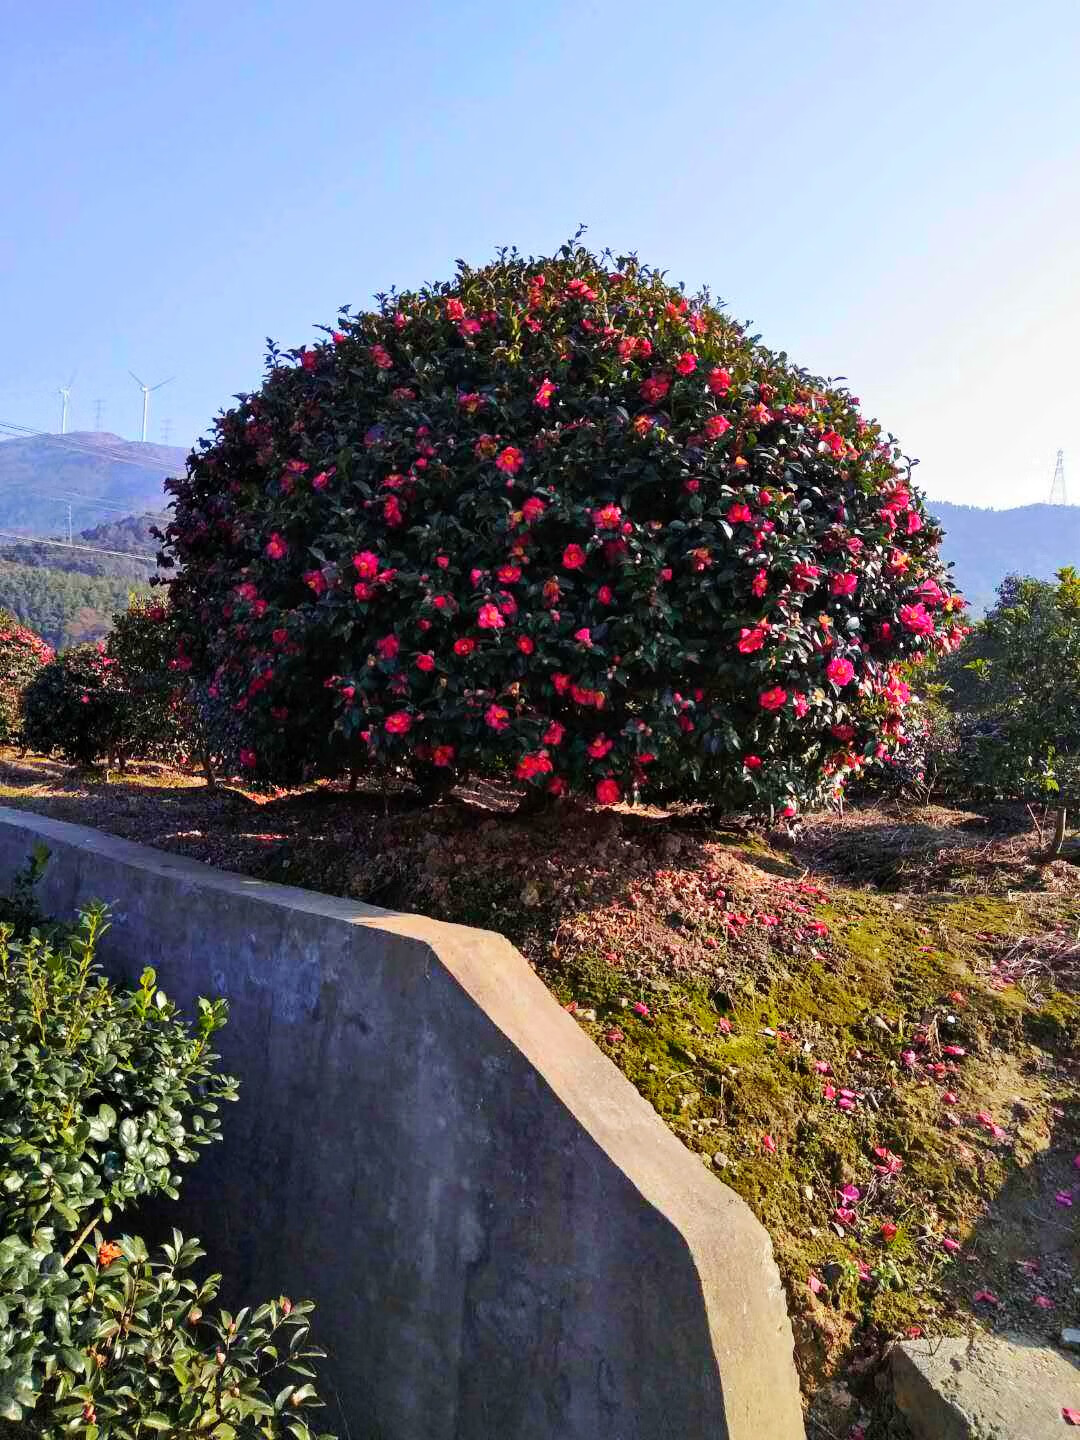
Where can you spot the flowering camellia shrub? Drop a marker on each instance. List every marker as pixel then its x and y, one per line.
pixel 76 705
pixel 558 521
pixel 22 654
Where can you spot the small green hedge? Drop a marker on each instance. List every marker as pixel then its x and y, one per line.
pixel 105 1093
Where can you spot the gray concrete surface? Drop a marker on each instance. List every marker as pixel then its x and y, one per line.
pixel 987 1388
pixel 504 1240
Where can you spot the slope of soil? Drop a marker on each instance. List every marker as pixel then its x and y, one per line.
pixel 870 1030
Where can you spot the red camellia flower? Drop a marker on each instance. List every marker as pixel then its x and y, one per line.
pixel 400 723
pixel 773 699
pixel 510 460
pixel 686 363
pixel 367 564
pixel 608 517
pixel 538 763
pixel 276 547
pixel 553 735
pixel 840 672
pixel 426 662
pixel 739 512
pixel 752 762
pixel 532 509
pixel 752 638
pixel 525 644
pixel 381 356
pixel 804 577
pixel 717 425
pixel 654 389
pixel 544 393
pixel 248 758
pixel 455 311
pixel 442 756
pixel 719 381
pixel 843 583
pixel 600 746
pixel 315 580
pixel 608 792
pixel 388 646
pixel 832 441
pixel 392 512
pixel 490 618
pixel 465 646
pixel 573 557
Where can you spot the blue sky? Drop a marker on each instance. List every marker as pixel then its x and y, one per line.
pixel 891 192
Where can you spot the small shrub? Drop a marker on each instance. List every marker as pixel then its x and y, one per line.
pixel 161 719
pixel 555 520
pixel 22 654
pixel 77 705
pixel 104 1095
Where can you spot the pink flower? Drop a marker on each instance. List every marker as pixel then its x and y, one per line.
pixel 985 1297
pixel 367 564
pixel 276 547
pixel 400 723
pixel 388 646
pixel 544 393
pixel 532 509
pixel 715 426
pixel 740 512
pixel 843 583
pixel 608 517
pixel 832 441
pixel 752 762
pixel 573 557
pixel 888 1231
pixel 465 646
pixel 455 311
pixel 773 699
pixel 850 1193
pixel 768 1144
pixel 760 583
pixel 316 580
pixel 840 672
pixel 320 481
pixel 490 618
pixel 843 1215
pixel 804 577
pixel 951 1245
pixel 496 717
pixel 1071 1417
pixel 917 619
pixel 426 662
pixel 608 792
pixel 1043 1302
pixel 719 381
pixel 640 1009
pixel 248 758
pixel 686 363
pixel 815 1285
pixel 583 636
pixel 381 357
pixel 509 460
pixel 443 756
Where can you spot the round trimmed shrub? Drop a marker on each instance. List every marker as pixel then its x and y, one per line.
pixel 76 705
pixel 558 521
pixel 160 716
pixel 22 654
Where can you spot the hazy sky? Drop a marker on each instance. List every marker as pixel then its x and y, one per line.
pixel 889 191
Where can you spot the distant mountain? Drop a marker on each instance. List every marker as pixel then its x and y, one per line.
pixel 41 474
pixel 130 535
pixel 987 545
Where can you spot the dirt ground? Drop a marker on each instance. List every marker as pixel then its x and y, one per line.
pixel 869 1028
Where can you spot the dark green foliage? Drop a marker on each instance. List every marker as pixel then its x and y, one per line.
pixel 104 1094
pixel 1016 691
pixel 77 705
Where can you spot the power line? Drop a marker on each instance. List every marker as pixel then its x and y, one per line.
pixel 62 442
pixel 90 549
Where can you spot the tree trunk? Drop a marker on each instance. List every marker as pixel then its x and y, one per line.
pixel 208 771
pixel 1058 842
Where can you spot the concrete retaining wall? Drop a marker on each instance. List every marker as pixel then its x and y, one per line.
pixel 504 1240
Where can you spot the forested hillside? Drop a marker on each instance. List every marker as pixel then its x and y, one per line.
pixel 132 535
pixel 96 473
pixel 64 607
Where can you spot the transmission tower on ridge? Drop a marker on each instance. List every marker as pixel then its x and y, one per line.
pixel 99 406
pixel 1057 484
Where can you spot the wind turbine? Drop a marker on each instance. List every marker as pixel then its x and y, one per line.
pixel 64 391
pixel 147 391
